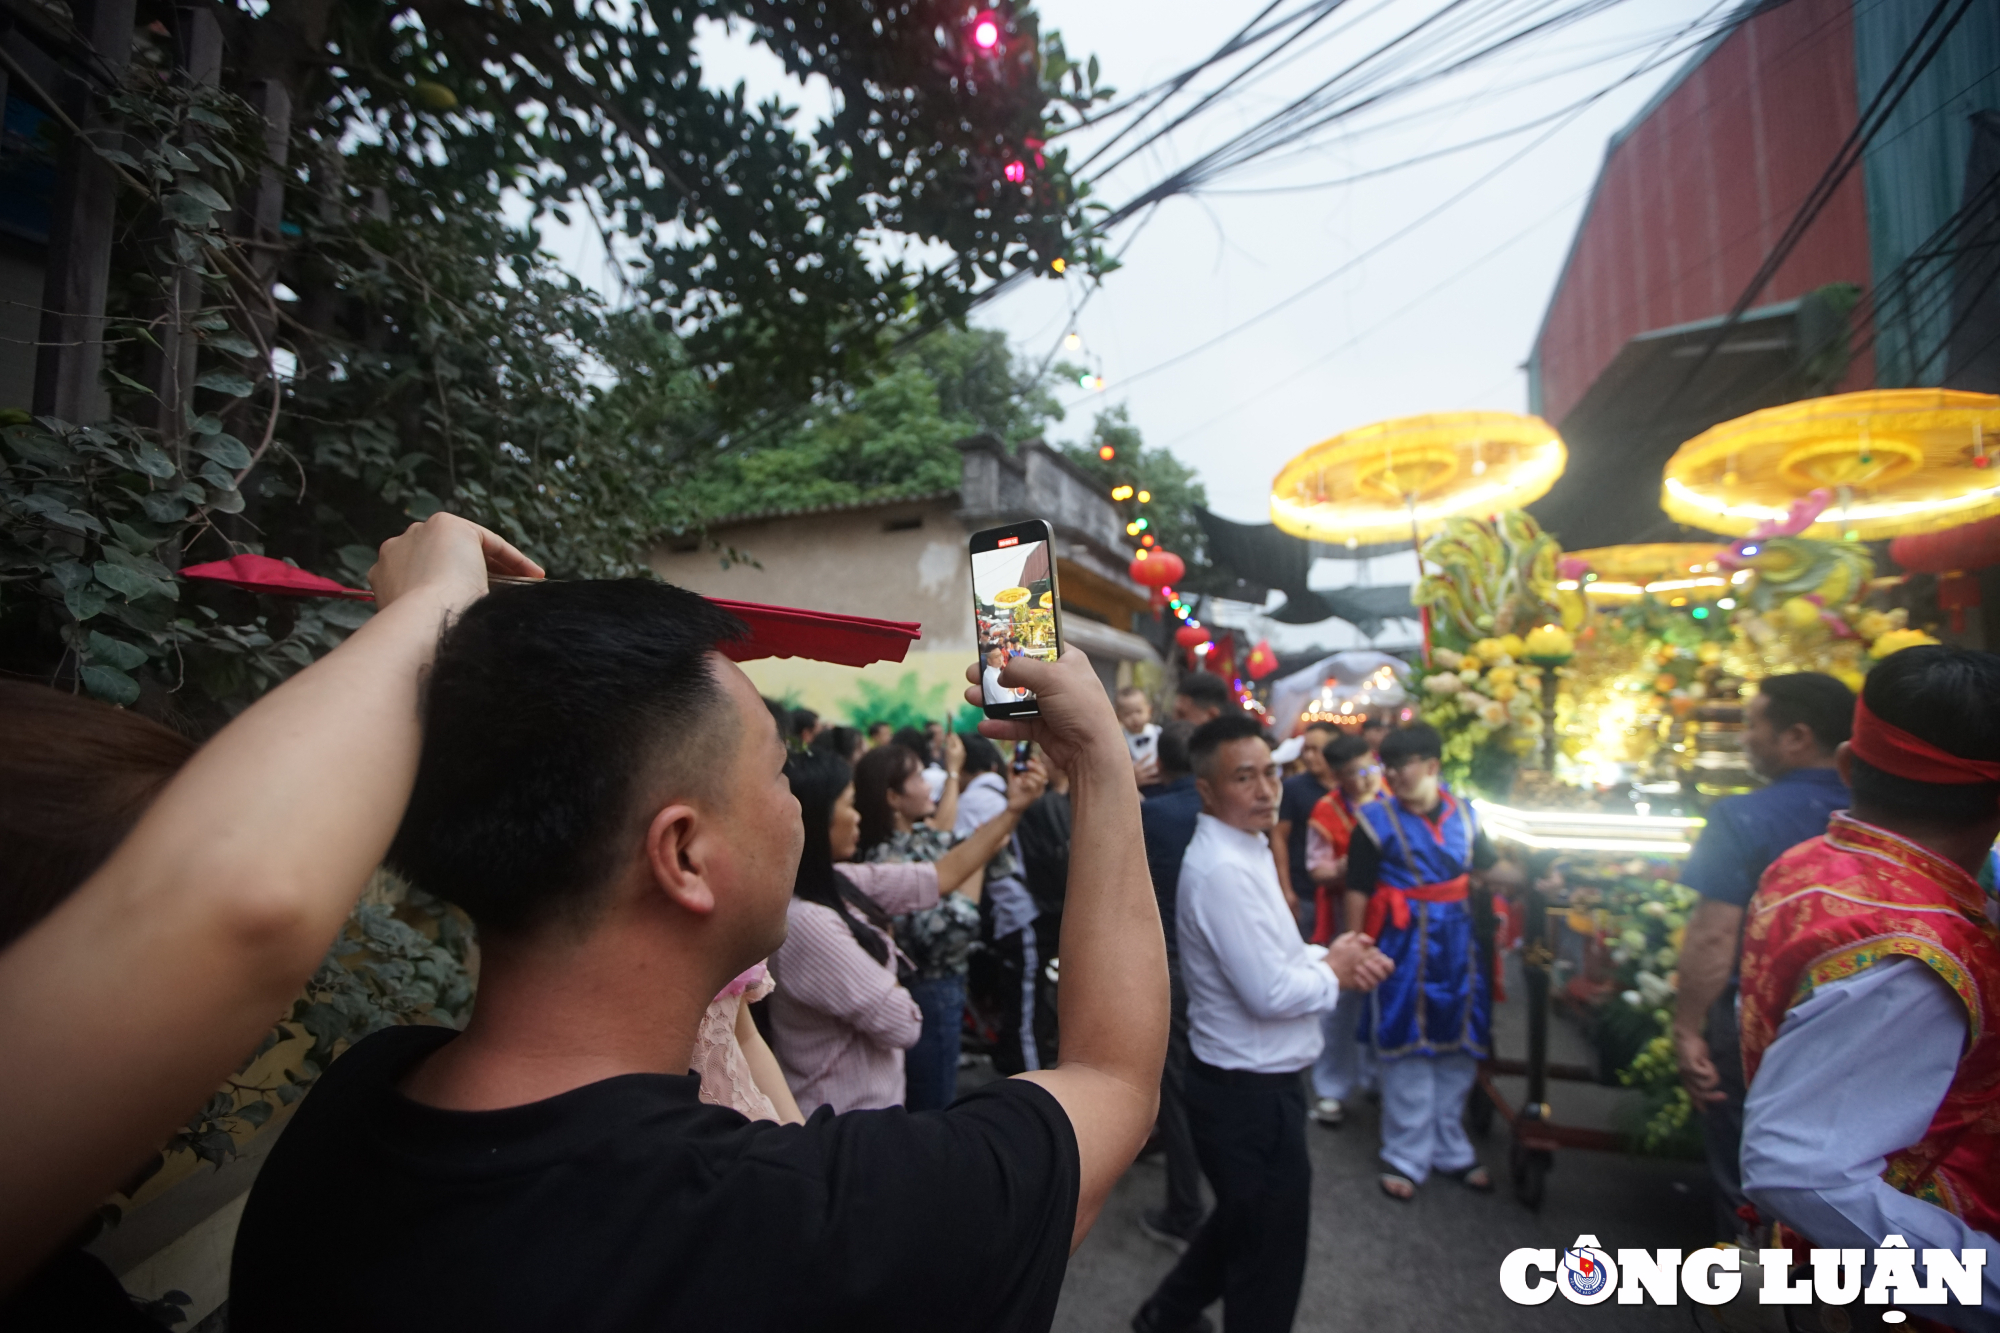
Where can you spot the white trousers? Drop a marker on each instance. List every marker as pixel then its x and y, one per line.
pixel 1345 1065
pixel 1423 1114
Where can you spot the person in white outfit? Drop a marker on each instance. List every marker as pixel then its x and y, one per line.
pixel 1255 995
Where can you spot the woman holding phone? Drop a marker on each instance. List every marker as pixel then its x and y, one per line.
pixel 843 1015
pixel 901 824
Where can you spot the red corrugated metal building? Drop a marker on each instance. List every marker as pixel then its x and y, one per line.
pixel 1694 194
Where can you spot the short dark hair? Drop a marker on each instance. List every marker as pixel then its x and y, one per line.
pixel 803 718
pixel 1824 704
pixel 1217 732
pixel 548 710
pixel 1204 688
pixel 1171 748
pixel 1949 697
pixel 781 717
pixel 913 740
pixel 1345 749
pixel 1419 740
pixel 981 756
pixel 75 775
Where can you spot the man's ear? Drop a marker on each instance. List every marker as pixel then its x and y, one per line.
pixel 675 860
pixel 1843 763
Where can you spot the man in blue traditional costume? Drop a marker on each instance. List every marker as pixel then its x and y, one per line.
pixel 1411 862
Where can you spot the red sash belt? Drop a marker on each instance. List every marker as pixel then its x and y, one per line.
pixel 1395 903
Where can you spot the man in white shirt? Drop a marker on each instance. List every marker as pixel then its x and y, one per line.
pixel 991 690
pixel 1255 996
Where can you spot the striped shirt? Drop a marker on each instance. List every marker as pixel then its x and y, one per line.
pixel 839 1021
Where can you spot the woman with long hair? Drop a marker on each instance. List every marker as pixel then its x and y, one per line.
pixel 900 823
pixel 843 1015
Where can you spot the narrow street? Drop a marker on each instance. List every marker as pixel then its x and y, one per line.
pixel 1431 1264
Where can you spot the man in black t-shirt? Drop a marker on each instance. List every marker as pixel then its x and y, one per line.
pixel 604 792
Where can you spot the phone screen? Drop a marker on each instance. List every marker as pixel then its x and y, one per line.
pixel 1014 610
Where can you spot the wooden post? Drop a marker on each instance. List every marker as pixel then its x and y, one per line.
pixel 170 370
pixel 82 217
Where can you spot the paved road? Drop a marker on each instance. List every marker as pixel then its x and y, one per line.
pixel 1427 1265
pixel 1433 1264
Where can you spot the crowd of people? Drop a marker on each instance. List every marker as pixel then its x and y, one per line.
pixel 733 960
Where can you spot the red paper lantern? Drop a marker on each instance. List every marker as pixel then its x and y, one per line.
pixel 1187 636
pixel 1160 569
pixel 1970 546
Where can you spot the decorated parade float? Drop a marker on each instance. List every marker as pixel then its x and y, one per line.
pixel 1592 702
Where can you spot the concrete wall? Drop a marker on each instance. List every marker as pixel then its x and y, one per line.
pixel 864 562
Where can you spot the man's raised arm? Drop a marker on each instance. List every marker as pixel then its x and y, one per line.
pixel 127 1006
pixel 1112 1005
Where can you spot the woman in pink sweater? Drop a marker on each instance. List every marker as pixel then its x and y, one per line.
pixel 841 1016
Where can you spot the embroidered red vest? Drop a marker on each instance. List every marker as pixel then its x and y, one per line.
pixel 1858 896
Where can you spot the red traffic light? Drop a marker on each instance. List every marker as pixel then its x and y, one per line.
pixel 986 31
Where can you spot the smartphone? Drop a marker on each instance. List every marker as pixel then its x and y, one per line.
pixel 1024 751
pixel 1016 609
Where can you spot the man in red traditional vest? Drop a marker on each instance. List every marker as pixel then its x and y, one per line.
pixel 1870 999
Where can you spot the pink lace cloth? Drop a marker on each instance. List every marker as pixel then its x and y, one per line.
pixel 725 1074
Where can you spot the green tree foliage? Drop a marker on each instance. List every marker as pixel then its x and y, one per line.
pixel 892 438
pixel 779 254
pixel 399 348
pixel 1172 484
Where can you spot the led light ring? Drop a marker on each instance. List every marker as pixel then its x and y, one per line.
pixel 1371 483
pixel 1732 477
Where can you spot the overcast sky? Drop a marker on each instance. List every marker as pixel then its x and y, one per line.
pixel 1418 315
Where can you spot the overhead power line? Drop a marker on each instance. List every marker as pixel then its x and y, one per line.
pixel 1357 339
pixel 1347 267
pixel 1916 58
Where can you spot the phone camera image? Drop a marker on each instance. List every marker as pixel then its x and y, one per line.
pixel 1014 612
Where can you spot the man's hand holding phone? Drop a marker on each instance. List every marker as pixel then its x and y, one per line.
pixel 1075 726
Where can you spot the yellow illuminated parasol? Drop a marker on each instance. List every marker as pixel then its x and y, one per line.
pixel 1373 483
pixel 1011 596
pixel 1613 575
pixel 1888 462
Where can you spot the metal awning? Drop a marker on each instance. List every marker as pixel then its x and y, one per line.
pixel 1105 644
pixel 1644 406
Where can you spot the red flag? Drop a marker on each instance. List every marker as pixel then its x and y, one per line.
pixel 1261 662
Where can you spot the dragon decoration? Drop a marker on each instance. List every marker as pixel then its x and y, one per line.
pixel 1803 607
pixel 1491 579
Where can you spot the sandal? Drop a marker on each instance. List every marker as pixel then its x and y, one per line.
pixel 1400 1188
pixel 1475 1178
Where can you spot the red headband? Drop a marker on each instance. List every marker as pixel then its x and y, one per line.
pixel 1899 754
